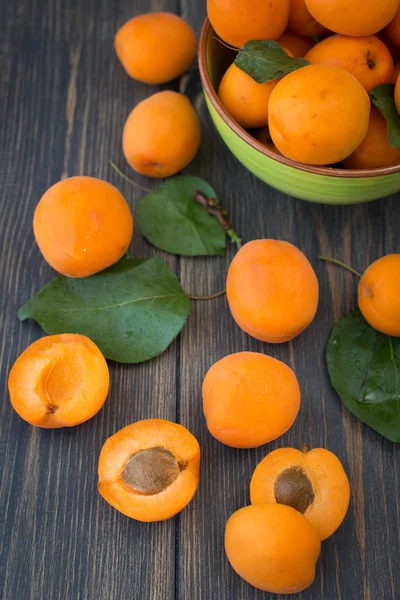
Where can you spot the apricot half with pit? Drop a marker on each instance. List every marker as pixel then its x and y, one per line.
pixel 149 470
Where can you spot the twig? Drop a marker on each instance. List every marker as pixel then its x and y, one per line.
pixel 211 297
pixel 128 179
pixel 214 209
pixel 340 264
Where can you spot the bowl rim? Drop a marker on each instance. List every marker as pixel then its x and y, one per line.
pixel 246 137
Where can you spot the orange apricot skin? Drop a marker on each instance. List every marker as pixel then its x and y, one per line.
pixel 245 99
pixel 250 399
pixel 356 55
pixel 82 225
pixel 272 290
pixel 59 381
pixel 355 18
pixel 242 20
pixel 374 151
pixel 302 22
pixel 272 547
pixel 392 31
pixel 149 433
pixel 156 47
pixel 307 128
pixel 298 45
pixel 328 479
pixel 161 135
pixel 379 294
pixel 397 94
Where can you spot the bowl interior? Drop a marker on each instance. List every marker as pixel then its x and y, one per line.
pixel 215 58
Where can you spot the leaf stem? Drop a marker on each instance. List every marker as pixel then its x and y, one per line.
pixel 339 263
pixel 211 297
pixel 128 179
pixel 215 209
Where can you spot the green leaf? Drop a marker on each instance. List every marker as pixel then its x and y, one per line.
pixel 132 311
pixel 364 367
pixel 383 98
pixel 266 60
pixel 172 220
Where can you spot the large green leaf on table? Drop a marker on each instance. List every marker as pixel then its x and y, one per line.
pixel 132 311
pixel 172 220
pixel 383 98
pixel 364 367
pixel 266 60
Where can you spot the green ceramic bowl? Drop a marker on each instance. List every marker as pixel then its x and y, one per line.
pixel 317 184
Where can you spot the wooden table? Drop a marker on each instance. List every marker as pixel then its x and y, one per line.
pixel 64 101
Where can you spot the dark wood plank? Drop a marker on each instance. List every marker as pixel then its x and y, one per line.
pixel 361 560
pixel 64 99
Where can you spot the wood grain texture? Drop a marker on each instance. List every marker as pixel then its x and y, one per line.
pixel 63 102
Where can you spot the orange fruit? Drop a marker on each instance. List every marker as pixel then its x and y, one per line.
pixel 318 115
pixel 353 17
pixel 374 151
pixel 367 58
pixel 156 47
pixel 82 225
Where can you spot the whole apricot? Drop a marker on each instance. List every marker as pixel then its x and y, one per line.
pixel 250 399
pixel 312 482
pixel 318 115
pixel 367 58
pixel 301 21
pixel 397 94
pixel 245 99
pixel 272 290
pixel 374 151
pixel 149 470
pixel 156 47
pixel 82 225
pixel 396 73
pixel 392 31
pixel 356 17
pixel 161 135
pixel 272 547
pixel 298 45
pixel 238 21
pixel 59 381
pixel 379 294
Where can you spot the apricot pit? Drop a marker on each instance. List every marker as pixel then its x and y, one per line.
pixel 151 471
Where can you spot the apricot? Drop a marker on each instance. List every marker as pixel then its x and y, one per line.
pixel 298 45
pixel 392 30
pixel 374 151
pixel 250 399
pixel 238 21
pixel 356 17
pixel 272 290
pixel 245 99
pixel 161 135
pixel 312 482
pixel 318 115
pixel 301 21
pixel 379 294
pixel 367 58
pixel 397 94
pixel 59 381
pixel 272 547
pixel 149 470
pixel 82 225
pixel 396 73
pixel 156 47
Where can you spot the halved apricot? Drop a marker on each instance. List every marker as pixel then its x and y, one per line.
pixel 59 381
pixel 149 470
pixel 312 482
